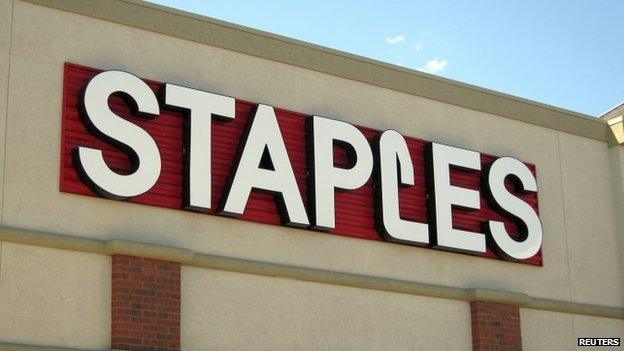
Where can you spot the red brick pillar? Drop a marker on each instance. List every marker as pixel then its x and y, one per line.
pixel 495 327
pixel 145 304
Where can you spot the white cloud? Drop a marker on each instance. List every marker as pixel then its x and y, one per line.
pixel 434 66
pixel 417 46
pixel 396 40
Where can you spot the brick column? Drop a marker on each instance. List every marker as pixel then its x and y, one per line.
pixel 495 327
pixel 145 304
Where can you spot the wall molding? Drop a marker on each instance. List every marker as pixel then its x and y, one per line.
pixel 268 269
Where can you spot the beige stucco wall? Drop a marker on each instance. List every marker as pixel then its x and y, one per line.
pixel 54 297
pixel 543 330
pixel 591 219
pixel 233 311
pixel 617 165
pixel 32 162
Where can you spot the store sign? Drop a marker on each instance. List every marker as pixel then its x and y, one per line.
pixel 174 146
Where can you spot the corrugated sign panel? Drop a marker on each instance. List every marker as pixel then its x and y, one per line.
pixel 354 209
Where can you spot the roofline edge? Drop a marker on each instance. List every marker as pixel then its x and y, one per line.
pixel 205 30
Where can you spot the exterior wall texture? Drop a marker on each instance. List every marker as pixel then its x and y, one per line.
pixel 54 297
pixel 543 330
pixel 62 298
pixel 233 311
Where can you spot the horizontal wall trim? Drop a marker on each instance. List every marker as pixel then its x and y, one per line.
pixel 268 269
pixel 213 32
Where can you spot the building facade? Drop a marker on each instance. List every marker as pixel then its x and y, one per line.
pixel 84 267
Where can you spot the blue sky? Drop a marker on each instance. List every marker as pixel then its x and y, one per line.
pixel 569 54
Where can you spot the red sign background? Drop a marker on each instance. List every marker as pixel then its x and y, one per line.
pixel 354 209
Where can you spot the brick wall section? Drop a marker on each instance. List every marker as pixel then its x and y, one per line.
pixel 145 304
pixel 495 327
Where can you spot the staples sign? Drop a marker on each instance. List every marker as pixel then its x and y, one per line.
pixel 168 145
